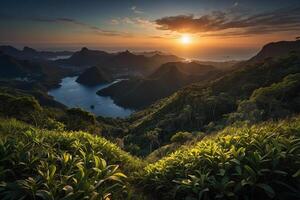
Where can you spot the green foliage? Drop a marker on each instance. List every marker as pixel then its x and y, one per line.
pixel 279 99
pixel 78 119
pixel 254 92
pixel 258 162
pixel 18 107
pixel 181 137
pixel 41 164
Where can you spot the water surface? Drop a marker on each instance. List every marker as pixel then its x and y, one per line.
pixel 73 94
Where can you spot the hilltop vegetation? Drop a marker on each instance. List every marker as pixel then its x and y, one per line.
pixel 41 164
pixel 256 162
pixel 259 161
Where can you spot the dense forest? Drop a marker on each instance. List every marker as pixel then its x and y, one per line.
pixel 221 134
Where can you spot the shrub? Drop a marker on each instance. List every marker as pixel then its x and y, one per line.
pixel 40 164
pixel 77 119
pixel 18 107
pixel 258 162
pixel 181 137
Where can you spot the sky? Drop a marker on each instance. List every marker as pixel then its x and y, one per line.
pixel 216 29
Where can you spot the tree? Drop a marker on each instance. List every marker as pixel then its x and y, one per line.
pixel 181 137
pixel 152 137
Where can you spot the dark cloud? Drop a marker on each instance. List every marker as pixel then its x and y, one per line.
pixel 234 22
pixel 81 24
pixel 69 21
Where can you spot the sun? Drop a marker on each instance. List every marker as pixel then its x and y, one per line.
pixel 185 39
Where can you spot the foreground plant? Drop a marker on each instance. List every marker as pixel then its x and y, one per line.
pixel 259 162
pixel 37 165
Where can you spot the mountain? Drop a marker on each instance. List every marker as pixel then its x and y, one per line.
pixel 191 68
pixel 119 64
pixel 127 62
pixel 141 92
pixel 31 54
pixel 151 53
pixel 253 92
pixel 93 76
pixel 276 50
pixel 85 57
pixel 45 73
pixel 10 68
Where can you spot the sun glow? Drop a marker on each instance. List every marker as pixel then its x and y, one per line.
pixel 185 39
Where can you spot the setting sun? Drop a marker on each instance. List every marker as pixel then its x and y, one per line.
pixel 185 39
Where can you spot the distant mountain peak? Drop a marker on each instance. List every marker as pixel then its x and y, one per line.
pixel 125 53
pixel 84 49
pixel 29 50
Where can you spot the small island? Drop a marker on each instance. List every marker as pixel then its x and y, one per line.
pixel 94 76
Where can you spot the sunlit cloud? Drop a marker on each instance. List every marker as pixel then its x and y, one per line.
pixel 138 21
pixel 234 23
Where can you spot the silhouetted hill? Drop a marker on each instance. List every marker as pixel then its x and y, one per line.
pixel 277 50
pixel 85 57
pixel 119 64
pixel 31 54
pixel 152 53
pixel 127 63
pixel 10 68
pixel 93 76
pixel 137 93
pixel 45 73
pixel 191 68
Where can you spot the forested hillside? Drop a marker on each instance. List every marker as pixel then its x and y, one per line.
pixel 244 94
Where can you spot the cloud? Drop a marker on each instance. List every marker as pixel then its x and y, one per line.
pixel 68 21
pixel 136 10
pixel 95 29
pixel 114 22
pixel 234 22
pixel 138 21
pixel 143 22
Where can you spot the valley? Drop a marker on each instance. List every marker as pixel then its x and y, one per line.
pixel 149 100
